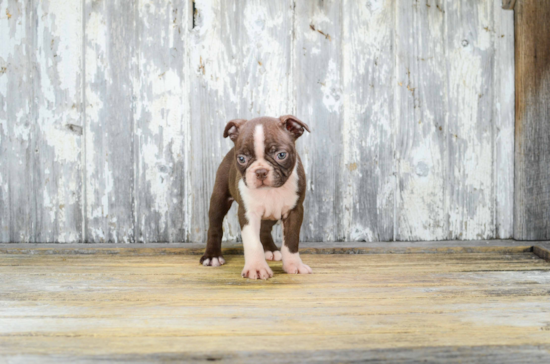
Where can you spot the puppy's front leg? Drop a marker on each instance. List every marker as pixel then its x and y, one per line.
pixel 292 263
pixel 255 265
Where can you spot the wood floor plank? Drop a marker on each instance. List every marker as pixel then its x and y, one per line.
pixel 85 308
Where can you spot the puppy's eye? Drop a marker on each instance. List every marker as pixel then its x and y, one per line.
pixel 281 155
pixel 241 159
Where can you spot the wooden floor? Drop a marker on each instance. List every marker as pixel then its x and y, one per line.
pixel 491 305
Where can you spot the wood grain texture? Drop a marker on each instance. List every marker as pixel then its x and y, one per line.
pixel 503 120
pixel 367 173
pixel 318 96
pixel 115 131
pixel 229 248
pixel 142 307
pixel 421 151
pixel 454 181
pixel 111 70
pixel 57 169
pixel 508 4
pixel 532 152
pixel 503 354
pixel 40 121
pixel 468 130
pixel 17 112
pixel 162 120
pixel 240 61
pixel 542 251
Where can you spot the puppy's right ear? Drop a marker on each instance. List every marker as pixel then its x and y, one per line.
pixel 232 129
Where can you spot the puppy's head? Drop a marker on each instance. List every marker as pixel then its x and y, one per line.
pixel 265 151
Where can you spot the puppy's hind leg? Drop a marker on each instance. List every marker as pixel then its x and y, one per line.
pixel 220 203
pixel 271 251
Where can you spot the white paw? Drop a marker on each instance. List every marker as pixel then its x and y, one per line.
pixel 257 270
pixel 214 262
pixel 297 268
pixel 276 255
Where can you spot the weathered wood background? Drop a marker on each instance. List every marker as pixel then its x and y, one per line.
pixel 112 112
pixel 532 141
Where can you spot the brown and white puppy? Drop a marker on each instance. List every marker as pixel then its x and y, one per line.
pixel 264 174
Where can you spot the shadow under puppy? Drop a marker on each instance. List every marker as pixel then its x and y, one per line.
pixel 264 174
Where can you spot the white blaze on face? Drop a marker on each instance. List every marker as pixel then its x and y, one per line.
pixel 260 162
pixel 259 141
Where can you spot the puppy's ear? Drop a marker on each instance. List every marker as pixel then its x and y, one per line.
pixel 293 125
pixel 232 129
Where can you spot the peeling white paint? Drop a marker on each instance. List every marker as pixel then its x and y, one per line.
pixel 439 164
pixel 361 233
pixel 67 147
pixel 22 129
pixel 332 92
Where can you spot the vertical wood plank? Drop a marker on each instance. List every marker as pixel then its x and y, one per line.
pixel 469 131
pixel 162 116
pixel 57 136
pixel 40 136
pixel 17 112
pixel 368 131
pixel 239 63
pixel 421 120
pixel 504 117
pixel 318 93
pixel 440 69
pixel 532 146
pixel 109 131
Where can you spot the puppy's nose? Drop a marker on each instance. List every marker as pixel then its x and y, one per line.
pixel 261 174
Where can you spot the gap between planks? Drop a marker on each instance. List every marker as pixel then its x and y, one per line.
pixel 540 249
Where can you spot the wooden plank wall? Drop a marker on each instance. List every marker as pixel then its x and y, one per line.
pixel 532 153
pixel 111 115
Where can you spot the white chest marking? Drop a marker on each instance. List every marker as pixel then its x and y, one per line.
pixel 271 203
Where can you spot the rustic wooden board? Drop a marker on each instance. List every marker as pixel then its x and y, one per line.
pixel 542 251
pixel 367 175
pixel 403 147
pixel 16 121
pixel 468 130
pixel 57 169
pixel 532 153
pixel 162 119
pixel 503 120
pixel 41 121
pixel 421 160
pixel 438 354
pixel 318 97
pixel 142 307
pixel 427 247
pixel 452 184
pixel 110 73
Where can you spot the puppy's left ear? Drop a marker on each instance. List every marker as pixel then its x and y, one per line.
pixel 293 125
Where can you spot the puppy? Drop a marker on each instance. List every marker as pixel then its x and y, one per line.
pixel 264 174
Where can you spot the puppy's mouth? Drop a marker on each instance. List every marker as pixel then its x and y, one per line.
pixel 261 184
pixel 257 185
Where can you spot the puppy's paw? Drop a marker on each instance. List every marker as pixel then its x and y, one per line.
pixel 296 267
pixel 209 261
pixel 257 270
pixel 274 255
